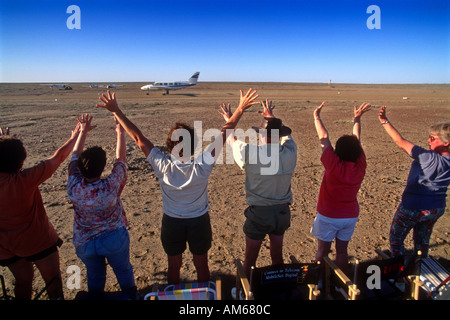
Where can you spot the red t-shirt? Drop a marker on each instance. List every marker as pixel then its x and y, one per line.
pixel 340 185
pixel 24 226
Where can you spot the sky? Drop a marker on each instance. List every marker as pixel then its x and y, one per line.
pixel 226 40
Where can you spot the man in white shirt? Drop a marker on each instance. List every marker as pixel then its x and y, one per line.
pixel 184 184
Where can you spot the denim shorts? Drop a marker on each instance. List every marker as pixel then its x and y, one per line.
pixel 327 229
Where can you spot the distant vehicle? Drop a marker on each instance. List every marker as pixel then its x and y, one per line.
pixel 58 86
pixel 103 86
pixel 172 85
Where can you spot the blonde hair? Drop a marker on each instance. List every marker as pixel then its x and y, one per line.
pixel 442 130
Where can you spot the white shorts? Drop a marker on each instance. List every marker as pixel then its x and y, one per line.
pixel 327 229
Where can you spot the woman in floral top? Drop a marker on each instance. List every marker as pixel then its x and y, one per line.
pixel 99 218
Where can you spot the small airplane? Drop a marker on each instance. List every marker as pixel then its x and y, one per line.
pixel 171 85
pixel 103 86
pixel 58 86
pixel 113 85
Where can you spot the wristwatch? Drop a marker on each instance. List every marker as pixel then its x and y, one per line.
pixel 385 122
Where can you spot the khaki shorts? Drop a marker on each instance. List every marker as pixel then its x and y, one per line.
pixel 263 220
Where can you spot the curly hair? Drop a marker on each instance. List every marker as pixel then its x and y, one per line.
pixel 348 148
pixel 91 162
pixel 13 154
pixel 175 137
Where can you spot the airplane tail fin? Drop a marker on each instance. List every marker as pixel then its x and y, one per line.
pixel 194 78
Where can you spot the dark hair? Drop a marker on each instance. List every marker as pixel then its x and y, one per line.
pixel 348 148
pixel 12 154
pixel 171 144
pixel 92 161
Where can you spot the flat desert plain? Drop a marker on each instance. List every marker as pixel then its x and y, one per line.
pixel 43 118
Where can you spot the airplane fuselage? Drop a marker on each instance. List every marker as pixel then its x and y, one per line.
pixel 166 86
pixel 171 85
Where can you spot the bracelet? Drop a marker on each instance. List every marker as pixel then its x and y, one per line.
pixel 385 122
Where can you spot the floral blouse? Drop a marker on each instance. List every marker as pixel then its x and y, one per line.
pixel 97 205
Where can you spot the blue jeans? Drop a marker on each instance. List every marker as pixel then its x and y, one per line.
pixel 113 246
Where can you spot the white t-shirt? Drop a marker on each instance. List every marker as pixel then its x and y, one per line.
pixel 184 186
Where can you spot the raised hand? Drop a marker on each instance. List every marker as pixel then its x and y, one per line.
pixel 110 102
pixel 5 132
pixel 358 112
pixel 248 100
pixel 85 122
pixel 382 114
pixel 268 107
pixel 317 111
pixel 225 111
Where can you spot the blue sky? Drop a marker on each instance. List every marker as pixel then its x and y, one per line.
pixel 226 40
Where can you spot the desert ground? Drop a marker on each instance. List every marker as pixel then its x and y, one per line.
pixel 43 118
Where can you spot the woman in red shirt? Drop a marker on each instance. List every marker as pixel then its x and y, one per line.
pixel 26 234
pixel 337 207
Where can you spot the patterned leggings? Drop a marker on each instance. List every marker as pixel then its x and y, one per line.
pixel 422 221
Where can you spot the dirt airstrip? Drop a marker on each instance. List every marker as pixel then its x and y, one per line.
pixel 43 118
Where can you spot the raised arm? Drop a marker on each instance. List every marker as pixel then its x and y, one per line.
pixel 225 110
pixel 320 128
pixel 121 148
pixel 404 144
pixel 246 101
pixel 61 154
pixel 111 105
pixel 358 112
pixel 85 126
